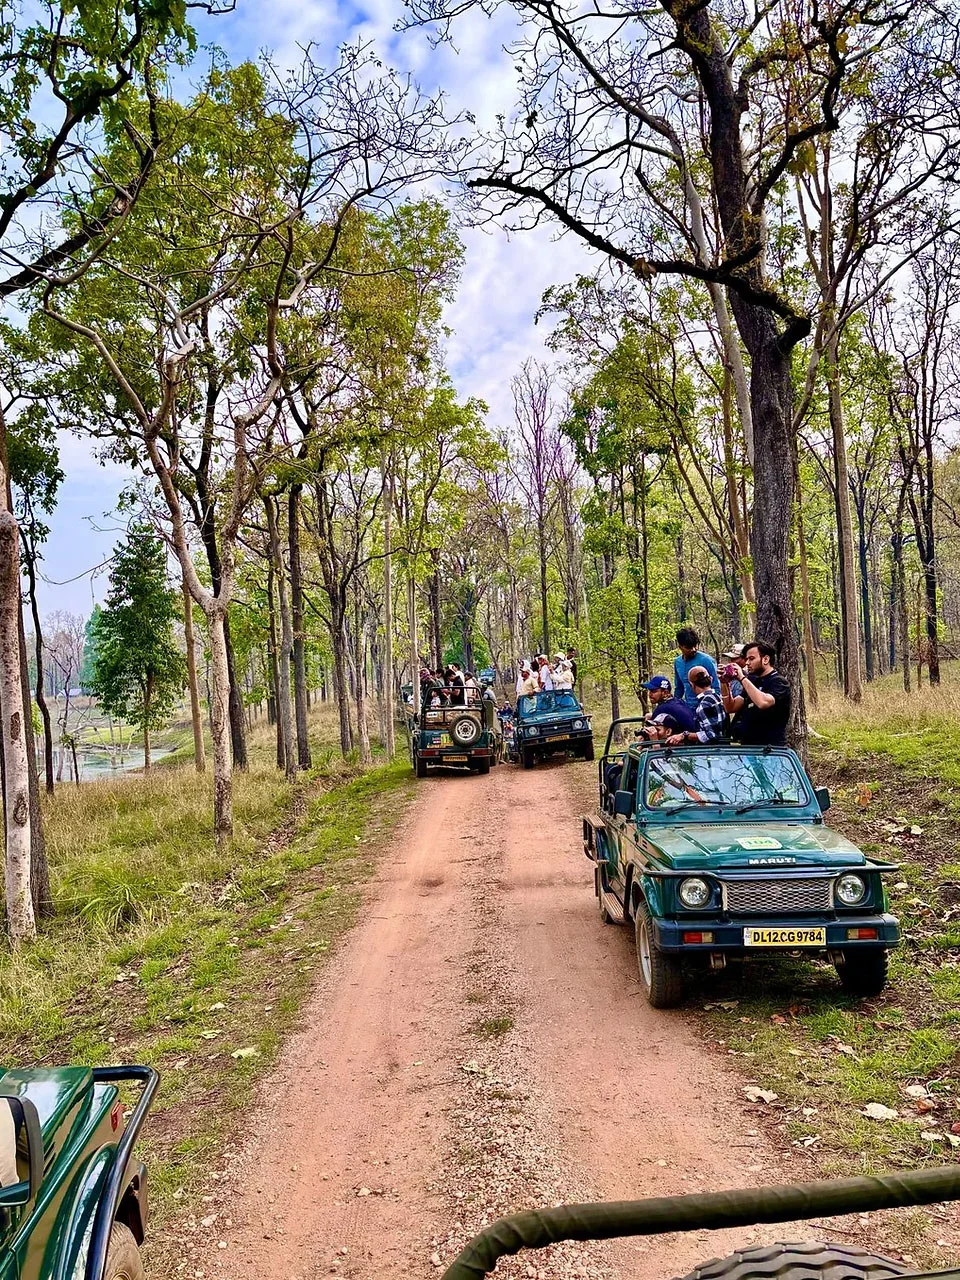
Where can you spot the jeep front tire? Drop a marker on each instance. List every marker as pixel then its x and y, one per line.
pixel 661 975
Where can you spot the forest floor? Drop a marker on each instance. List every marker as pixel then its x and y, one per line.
pixel 478 1045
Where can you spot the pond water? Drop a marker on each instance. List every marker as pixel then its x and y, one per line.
pixel 95 765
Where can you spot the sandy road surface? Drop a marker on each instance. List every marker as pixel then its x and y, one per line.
pixel 477 1046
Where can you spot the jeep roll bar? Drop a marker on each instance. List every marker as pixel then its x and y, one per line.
pixel 706 1211
pixel 116 1183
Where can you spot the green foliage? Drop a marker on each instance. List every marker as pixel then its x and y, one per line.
pixel 137 670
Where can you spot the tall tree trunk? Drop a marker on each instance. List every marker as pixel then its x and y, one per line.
pixel 304 758
pixel 41 700
pixel 220 726
pixel 865 605
pixel 147 699
pixel 412 623
pixel 21 923
pixel 341 680
pixel 359 662
pixel 810 652
pixel 388 611
pixel 199 754
pixel 435 615
pixel 284 702
pixel 273 702
pixel 544 619
pixel 774 482
pixel 741 538
pixel 853 684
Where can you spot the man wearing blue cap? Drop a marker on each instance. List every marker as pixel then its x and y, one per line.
pixel 669 714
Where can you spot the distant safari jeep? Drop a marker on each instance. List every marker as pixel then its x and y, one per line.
pixel 73 1200
pixel 456 728
pixel 720 851
pixel 549 723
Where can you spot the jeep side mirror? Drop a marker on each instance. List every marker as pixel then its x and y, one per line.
pixel 20 1138
pixel 823 798
pixel 623 803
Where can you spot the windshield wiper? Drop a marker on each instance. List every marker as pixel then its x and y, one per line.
pixel 776 798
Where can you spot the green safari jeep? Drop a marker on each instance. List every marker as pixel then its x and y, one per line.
pixel 551 722
pixel 456 728
pixel 72 1197
pixel 720 852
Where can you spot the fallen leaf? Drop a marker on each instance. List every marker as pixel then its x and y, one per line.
pixel 877 1111
pixel 215 1007
pixel 363 1191
pixel 916 831
pixel 760 1095
pixel 251 1051
pixel 932 1135
pixel 922 1105
pixel 779 1019
pixel 916 1091
pixel 955 1128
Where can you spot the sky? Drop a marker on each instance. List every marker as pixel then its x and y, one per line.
pixel 504 277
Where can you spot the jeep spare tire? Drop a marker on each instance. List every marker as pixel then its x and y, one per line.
pixel 465 731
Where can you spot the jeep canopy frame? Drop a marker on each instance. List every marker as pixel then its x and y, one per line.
pixel 712 1210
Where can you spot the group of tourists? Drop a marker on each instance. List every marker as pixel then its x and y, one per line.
pixel 540 675
pixel 746 700
pixel 449 687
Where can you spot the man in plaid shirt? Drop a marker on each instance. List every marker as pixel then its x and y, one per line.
pixel 710 715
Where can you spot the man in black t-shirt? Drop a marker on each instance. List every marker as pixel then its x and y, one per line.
pixel 761 714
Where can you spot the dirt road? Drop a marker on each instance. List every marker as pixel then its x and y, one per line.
pixel 479 1046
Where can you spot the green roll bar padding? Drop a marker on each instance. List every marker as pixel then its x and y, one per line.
pixel 709 1211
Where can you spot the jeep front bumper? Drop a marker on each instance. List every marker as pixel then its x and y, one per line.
pixel 725 935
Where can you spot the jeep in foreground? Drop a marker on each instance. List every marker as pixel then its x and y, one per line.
pixel 72 1196
pixel 548 723
pixel 720 852
pixel 456 728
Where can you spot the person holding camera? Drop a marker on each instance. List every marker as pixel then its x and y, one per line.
pixel 762 711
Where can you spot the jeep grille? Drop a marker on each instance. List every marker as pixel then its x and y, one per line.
pixel 779 897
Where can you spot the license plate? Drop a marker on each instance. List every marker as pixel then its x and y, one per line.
pixel 456 759
pixel 784 937
pixel 557 737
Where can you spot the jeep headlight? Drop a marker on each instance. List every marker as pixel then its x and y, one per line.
pixel 531 732
pixel 578 724
pixel 694 892
pixel 850 889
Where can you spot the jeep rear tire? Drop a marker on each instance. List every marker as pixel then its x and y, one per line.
pixel 526 757
pixel 863 973
pixel 465 731
pixel 419 765
pixel 661 975
pixel 483 766
pixel 807 1261
pixel 123 1256
pixel 588 752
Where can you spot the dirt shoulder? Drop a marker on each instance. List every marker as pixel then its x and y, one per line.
pixel 478 1046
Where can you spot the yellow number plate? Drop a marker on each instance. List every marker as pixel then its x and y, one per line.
pixel 557 737
pixel 456 759
pixel 784 937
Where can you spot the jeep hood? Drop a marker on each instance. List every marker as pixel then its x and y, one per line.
pixel 753 845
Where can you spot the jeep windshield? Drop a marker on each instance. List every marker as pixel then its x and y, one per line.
pixel 547 703
pixel 733 779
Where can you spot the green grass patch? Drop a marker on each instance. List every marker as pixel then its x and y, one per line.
pixel 492 1028
pixel 167 951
